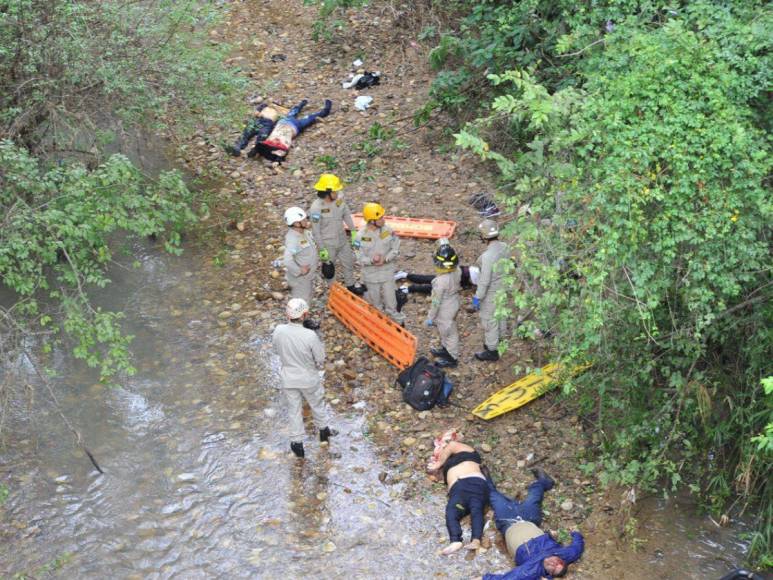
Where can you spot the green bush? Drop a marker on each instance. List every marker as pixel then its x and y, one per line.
pixel 75 74
pixel 634 155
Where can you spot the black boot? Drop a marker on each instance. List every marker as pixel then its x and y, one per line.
pixel 297 448
pixel 540 475
pixel 446 362
pixel 311 324
pixel 402 299
pixel 356 289
pixel 326 433
pixel 231 150
pixel 326 109
pixel 488 355
pixel 441 352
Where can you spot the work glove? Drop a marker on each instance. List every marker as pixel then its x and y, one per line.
pixel 354 236
pixel 476 303
pixel 429 322
pixel 324 255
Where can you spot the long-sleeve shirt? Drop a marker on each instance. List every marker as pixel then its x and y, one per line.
pixel 300 250
pixel 530 555
pixel 327 219
pixel 376 241
pixel 490 278
pixel 302 355
pixel 445 294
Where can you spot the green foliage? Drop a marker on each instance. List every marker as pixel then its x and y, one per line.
pixel 327 162
pixel 58 225
pixel 633 147
pixel 68 67
pixel 4 493
pixel 326 26
pixel 78 77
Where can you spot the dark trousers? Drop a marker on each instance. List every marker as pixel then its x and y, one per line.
pixel 508 511
pixel 467 496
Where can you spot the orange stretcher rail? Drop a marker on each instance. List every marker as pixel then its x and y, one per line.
pixel 414 227
pixel 380 332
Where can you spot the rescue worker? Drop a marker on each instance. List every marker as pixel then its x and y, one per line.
pixel 259 127
pixel 489 281
pixel 302 356
pixel 445 305
pixel 377 248
pixel 300 258
pixel 328 212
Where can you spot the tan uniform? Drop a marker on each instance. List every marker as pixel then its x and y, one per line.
pixel 380 279
pixel 300 250
pixel 519 533
pixel 302 355
pixel 489 282
pixel 327 219
pixel 445 305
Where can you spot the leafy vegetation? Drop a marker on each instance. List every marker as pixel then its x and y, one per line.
pixel 80 79
pixel 633 145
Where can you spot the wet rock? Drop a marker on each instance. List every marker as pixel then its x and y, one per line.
pixel 225 314
pixel 567 505
pixel 277 296
pixel 409 442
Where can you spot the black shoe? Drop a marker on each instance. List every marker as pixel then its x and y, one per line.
pixel 297 448
pixel 402 299
pixel 357 289
pixel 252 152
pixel 446 362
pixel 441 352
pixel 327 108
pixel 311 324
pixel 488 355
pixel 326 433
pixel 231 150
pixel 540 475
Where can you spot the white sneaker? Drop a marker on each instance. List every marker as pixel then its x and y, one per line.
pixel 401 275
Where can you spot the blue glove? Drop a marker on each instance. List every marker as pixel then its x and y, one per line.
pixel 476 303
pixel 429 322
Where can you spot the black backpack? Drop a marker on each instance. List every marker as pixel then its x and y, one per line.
pixel 422 384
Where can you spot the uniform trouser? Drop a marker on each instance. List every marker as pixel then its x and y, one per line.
pixel 449 335
pixel 468 495
pixel 382 296
pixel 315 397
pixel 493 329
pixel 507 511
pixel 302 286
pixel 342 251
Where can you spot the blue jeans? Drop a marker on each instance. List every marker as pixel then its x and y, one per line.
pixel 301 124
pixel 468 495
pixel 507 511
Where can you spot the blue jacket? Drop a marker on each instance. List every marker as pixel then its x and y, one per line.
pixel 529 557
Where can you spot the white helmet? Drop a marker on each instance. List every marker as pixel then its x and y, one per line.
pixel 293 215
pixel 474 274
pixel 296 308
pixel 488 229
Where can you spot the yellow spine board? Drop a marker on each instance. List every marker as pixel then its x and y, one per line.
pixel 522 391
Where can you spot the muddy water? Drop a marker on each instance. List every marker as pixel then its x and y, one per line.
pixel 197 481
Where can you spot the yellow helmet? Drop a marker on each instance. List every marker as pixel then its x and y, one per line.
pixel 372 211
pixel 328 182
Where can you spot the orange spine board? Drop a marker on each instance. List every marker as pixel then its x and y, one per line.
pixel 380 332
pixel 414 227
